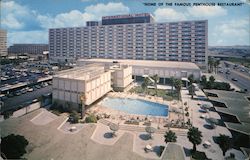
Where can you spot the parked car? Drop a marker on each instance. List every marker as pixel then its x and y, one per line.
pixel 234 79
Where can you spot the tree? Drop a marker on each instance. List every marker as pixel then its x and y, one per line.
pixel 191 78
pixel 211 79
pixel 211 64
pixel 82 104
pixel 91 119
pixel 156 80
pixel 194 136
pixel 224 142
pixel 216 64
pixel 145 84
pixel 203 81
pixel 177 85
pixel 13 146
pixel 74 117
pixel 191 90
pixel 172 83
pixel 170 136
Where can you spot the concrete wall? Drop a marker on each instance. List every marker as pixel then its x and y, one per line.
pixel 70 90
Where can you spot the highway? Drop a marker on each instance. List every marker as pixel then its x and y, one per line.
pixel 243 78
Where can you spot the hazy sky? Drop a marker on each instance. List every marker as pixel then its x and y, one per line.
pixel 28 21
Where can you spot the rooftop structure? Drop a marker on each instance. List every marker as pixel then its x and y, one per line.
pixel 128 19
pixel 233 104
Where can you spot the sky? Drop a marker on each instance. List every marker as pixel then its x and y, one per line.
pixel 28 21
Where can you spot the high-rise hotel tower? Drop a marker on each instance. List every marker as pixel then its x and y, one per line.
pixel 133 36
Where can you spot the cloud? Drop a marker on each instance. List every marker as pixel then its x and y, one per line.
pixel 12 14
pixel 111 8
pixel 168 14
pixel 27 37
pixel 206 11
pixel 75 18
pixel 233 32
pixel 18 17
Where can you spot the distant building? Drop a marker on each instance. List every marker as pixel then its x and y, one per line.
pixel 90 82
pixel 133 36
pixel 28 48
pixel 3 42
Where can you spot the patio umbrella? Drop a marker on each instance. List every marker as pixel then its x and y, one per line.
pixel 207 105
pixel 150 130
pixel 212 121
pixel 114 127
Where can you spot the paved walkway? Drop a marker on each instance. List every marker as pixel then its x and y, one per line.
pixel 44 118
pixel 214 152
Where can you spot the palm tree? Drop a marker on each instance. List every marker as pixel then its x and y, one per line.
pixel 156 80
pixel 203 81
pixel 211 81
pixel 194 136
pixel 82 104
pixel 170 136
pixel 191 90
pixel 224 142
pixel 145 84
pixel 177 85
pixel 191 78
pixel 216 64
pixel 211 64
pixel 172 83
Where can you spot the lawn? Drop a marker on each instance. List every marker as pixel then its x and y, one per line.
pixel 165 94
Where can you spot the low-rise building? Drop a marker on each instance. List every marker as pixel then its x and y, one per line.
pixel 85 85
pixel 164 69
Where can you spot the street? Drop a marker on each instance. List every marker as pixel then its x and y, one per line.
pixel 243 80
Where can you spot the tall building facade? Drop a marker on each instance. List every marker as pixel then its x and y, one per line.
pixel 132 37
pixel 3 42
pixel 28 48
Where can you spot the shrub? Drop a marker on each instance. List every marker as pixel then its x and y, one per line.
pixel 91 119
pixel 187 114
pixel 74 117
pixel 186 109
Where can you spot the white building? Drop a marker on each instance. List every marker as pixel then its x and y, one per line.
pixel 85 85
pixel 133 36
pixel 164 69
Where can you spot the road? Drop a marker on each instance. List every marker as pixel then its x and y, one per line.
pixel 243 80
pixel 16 101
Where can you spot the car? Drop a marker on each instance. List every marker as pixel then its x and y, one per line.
pixel 242 70
pixel 234 79
pixel 220 71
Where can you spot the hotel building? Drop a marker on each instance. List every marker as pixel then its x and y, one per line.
pixel 133 36
pixel 90 82
pixel 3 42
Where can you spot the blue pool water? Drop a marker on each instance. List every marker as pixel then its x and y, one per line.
pixel 136 106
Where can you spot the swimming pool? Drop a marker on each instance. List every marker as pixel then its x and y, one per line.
pixel 136 106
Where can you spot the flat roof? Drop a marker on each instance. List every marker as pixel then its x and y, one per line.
pixel 237 104
pixel 149 63
pixel 82 73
